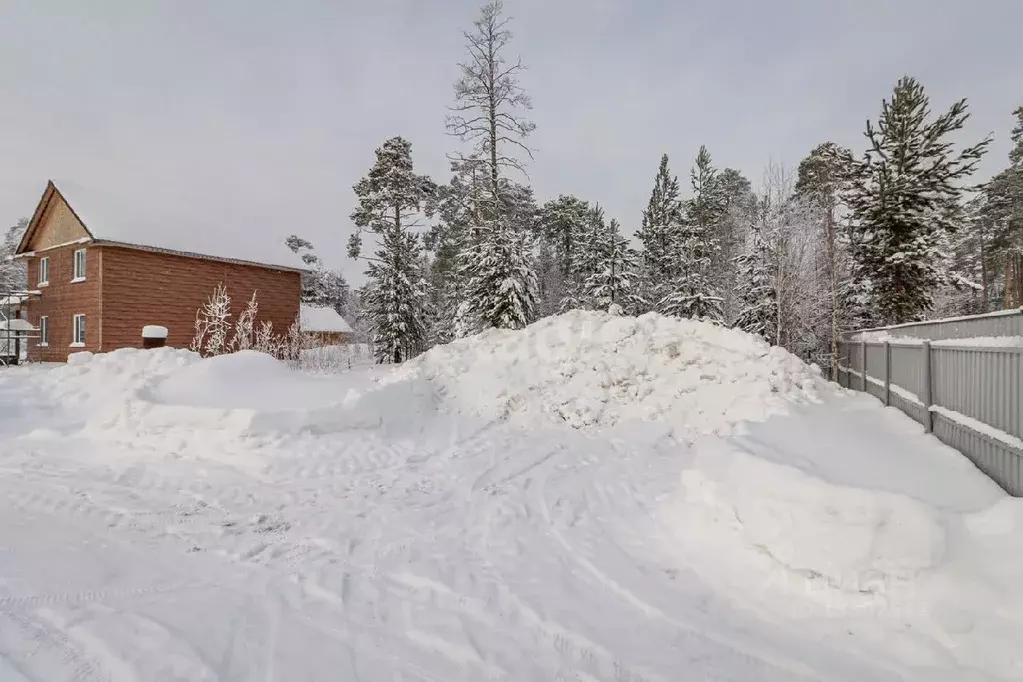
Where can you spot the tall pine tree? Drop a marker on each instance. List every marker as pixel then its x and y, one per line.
pixel 496 263
pixel 392 197
pixel 1003 214
pixel 819 183
pixel 904 195
pixel 757 298
pixel 693 294
pixel 614 267
pixel 659 234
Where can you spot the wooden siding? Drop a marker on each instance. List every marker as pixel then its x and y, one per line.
pixel 58 225
pixel 143 287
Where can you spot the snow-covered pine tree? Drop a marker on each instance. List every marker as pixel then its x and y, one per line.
pixel 392 197
pixel 1003 212
pixel 703 213
pixel 736 195
pixel 459 208
pixel 12 272
pixel 562 221
pixel 497 264
pixel 819 182
pixel 585 256
pixel 659 234
pixel 692 293
pixel 320 286
pixel 904 194
pixel 757 298
pixel 614 269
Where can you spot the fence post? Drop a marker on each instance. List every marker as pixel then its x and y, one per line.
pixel 863 365
pixel 887 373
pixel 925 388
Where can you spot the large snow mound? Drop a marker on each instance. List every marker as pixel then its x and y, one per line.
pixel 593 370
pixel 246 379
pixel 130 392
pixel 851 561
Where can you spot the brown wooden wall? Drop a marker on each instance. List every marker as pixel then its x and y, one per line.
pixel 142 287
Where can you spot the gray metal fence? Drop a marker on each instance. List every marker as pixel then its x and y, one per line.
pixel 967 392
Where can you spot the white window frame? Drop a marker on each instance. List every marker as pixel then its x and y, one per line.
pixel 78 329
pixel 75 276
pixel 44 330
pixel 44 265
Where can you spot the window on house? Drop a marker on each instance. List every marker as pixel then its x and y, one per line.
pixel 79 266
pixel 44 270
pixel 44 331
pixel 78 325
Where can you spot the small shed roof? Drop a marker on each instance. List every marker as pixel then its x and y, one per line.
pixel 125 220
pixel 17 325
pixel 324 320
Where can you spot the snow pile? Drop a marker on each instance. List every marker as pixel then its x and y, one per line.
pixel 593 370
pixel 797 525
pixel 131 392
pixel 336 358
pixel 776 530
pixel 247 379
pixel 102 378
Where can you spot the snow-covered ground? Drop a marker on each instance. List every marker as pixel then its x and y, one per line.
pixel 594 498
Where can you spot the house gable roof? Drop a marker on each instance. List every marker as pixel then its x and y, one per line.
pixel 116 221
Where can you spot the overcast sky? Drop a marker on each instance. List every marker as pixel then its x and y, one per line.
pixel 259 115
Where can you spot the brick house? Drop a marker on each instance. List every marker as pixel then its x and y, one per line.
pixel 96 284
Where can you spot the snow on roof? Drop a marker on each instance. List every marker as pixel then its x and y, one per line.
pixel 317 319
pixel 16 325
pixel 120 218
pixel 13 299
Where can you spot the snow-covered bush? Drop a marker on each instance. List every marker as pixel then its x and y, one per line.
pixel 211 323
pixel 212 327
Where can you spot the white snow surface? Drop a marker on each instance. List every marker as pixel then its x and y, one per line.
pixel 167 517
pixel 322 319
pixel 593 370
pixel 154 331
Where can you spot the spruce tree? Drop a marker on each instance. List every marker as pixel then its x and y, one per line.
pixel 758 299
pixel 392 197
pixel 904 195
pixel 736 197
pixel 692 293
pixel 12 272
pixel 659 234
pixel 562 224
pixel 1003 215
pixel 486 114
pixel 614 269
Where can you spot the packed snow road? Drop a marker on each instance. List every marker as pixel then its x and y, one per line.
pixel 166 518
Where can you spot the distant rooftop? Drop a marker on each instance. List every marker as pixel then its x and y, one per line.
pixel 317 319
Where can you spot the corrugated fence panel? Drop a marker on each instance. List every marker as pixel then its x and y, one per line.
pixel 908 407
pixel 1001 462
pixel 983 383
pixel 856 357
pixel 1001 323
pixel 876 360
pixel 907 368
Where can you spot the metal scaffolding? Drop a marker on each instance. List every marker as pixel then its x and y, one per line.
pixel 15 330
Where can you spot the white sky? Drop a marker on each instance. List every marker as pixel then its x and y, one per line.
pixel 261 115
